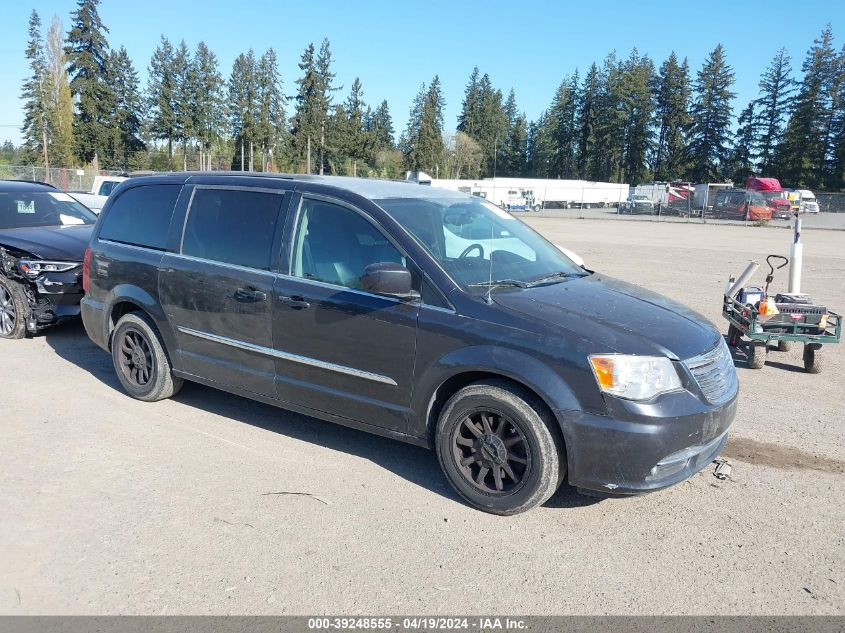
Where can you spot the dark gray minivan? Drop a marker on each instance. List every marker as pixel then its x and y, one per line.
pixel 425 315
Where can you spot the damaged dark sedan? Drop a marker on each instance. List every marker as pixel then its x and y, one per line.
pixel 43 235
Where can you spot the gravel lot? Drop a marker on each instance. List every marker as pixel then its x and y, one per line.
pixel 115 506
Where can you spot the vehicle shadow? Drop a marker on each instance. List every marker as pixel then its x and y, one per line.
pixel 413 463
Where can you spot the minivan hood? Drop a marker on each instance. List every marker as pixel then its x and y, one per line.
pixel 60 243
pixel 616 316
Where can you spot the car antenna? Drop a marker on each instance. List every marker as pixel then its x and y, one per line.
pixel 490 276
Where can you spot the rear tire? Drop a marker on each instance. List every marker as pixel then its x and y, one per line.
pixel 784 346
pixel 499 448
pixel 756 354
pixel 812 360
pixel 14 309
pixel 140 360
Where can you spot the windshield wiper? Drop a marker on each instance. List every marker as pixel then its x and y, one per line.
pixel 500 282
pixel 551 277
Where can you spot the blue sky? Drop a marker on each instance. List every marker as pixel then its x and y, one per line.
pixel 528 45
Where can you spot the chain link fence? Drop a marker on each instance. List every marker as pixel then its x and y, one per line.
pixel 831 202
pixel 68 179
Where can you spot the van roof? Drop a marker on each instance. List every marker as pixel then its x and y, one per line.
pixel 371 188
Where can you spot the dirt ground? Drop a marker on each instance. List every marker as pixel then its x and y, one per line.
pixel 109 505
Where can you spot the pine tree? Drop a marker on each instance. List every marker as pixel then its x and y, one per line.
pixel 710 128
pixel 161 97
pixel 126 144
pixel 514 153
pixel 638 105
pixel 560 122
pixel 539 147
pixel 183 98
pixel 470 113
pixel 744 155
pixel 610 123
pixel 836 177
pixel 586 121
pixel 380 129
pixel 243 105
pixel 312 103
pixel 672 119
pixel 357 139
pixel 422 142
pixel 59 101
pixel 326 79
pixel 777 90
pixel 271 114
pixel 208 108
pixel 88 54
pixel 802 156
pixel 33 94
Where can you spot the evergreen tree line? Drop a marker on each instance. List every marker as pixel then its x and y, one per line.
pixel 624 120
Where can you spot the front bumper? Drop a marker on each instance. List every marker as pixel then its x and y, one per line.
pixel 643 447
pixel 57 297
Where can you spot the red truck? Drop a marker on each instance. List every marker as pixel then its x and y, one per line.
pixel 774 195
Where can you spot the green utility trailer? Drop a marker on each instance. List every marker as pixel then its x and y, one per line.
pixel 811 325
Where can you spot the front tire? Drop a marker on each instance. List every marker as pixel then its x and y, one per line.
pixel 140 361
pixel 499 448
pixel 14 308
pixel 756 354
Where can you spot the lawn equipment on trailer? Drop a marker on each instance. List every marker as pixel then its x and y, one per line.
pixel 753 314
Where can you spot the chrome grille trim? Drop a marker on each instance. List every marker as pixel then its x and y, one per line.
pixel 715 373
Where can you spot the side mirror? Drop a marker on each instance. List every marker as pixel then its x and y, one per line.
pixel 387 278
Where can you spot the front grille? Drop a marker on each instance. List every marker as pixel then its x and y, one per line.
pixel 715 373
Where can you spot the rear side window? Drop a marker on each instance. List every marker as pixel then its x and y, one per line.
pixel 232 226
pixel 106 187
pixel 141 216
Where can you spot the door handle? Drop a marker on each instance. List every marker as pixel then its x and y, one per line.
pixel 250 295
pixel 297 303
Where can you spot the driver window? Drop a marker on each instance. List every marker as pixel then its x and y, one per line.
pixel 334 244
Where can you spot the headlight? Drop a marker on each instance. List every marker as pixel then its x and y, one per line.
pixel 635 377
pixel 34 267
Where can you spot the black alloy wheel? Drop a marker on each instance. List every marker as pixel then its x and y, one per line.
pixel 492 452
pixel 136 358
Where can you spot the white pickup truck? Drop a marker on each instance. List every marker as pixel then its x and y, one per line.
pixel 100 190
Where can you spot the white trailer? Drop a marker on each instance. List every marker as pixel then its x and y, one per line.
pixel 705 193
pixel 537 193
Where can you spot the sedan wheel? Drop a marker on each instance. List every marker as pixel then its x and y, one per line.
pixel 8 313
pixel 14 312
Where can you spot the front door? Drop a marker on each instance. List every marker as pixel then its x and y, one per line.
pixel 218 290
pixel 342 350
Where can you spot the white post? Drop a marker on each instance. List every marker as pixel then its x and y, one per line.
pixel 796 254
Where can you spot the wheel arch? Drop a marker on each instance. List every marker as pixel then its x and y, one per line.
pixel 126 299
pixel 445 379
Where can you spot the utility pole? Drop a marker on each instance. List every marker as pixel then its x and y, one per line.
pixel 322 143
pixel 495 152
pixel 46 157
pixel 242 153
pixel 308 154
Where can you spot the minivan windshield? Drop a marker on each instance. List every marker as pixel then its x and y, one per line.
pixel 26 209
pixel 467 235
